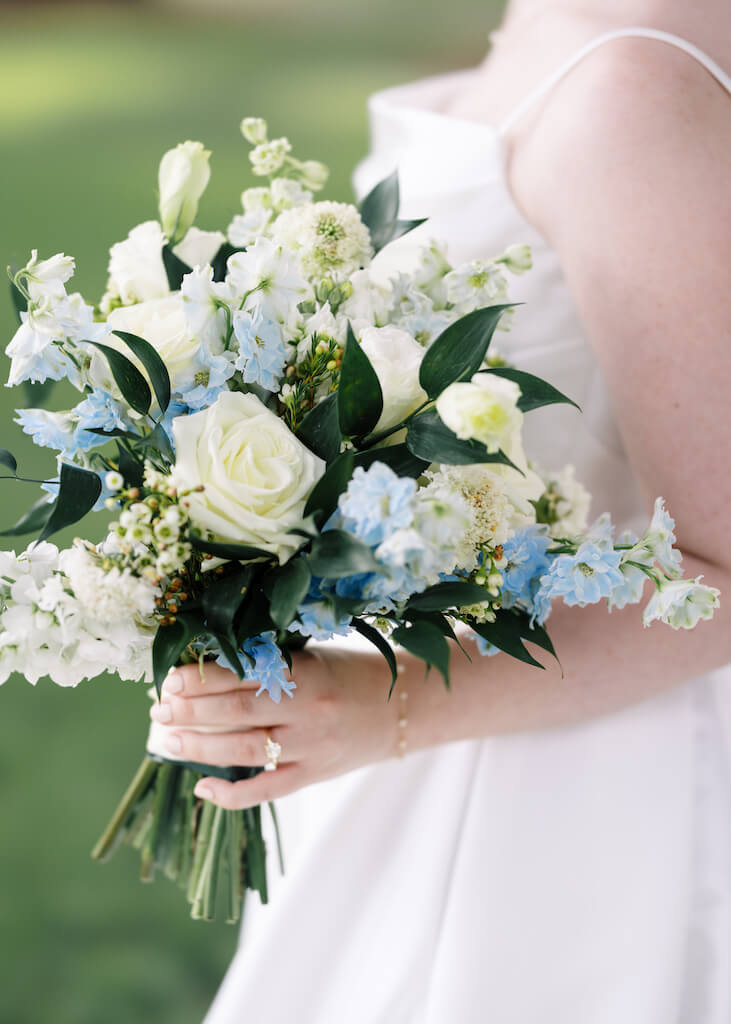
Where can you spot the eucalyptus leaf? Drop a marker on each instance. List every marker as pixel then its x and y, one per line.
pixel 320 430
pixel 8 460
pixel 289 591
pixel 130 381
pixel 449 594
pixel 78 492
pixel 337 553
pixel 323 499
pixel 425 641
pixel 379 641
pixel 154 365
pixel 459 351
pixel 429 438
pixel 32 521
pixel 174 268
pixel 360 399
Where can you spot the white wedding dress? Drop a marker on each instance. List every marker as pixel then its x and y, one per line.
pixel 569 876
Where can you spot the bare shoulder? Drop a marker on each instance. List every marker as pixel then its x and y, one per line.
pixel 636 119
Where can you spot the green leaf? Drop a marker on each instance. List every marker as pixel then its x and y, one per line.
pixel 254 616
pixel 227 549
pixel 449 594
pixel 379 212
pixel 432 440
pixel 8 460
pixel 130 468
pixel 346 607
pixel 33 520
pixel 174 268
pixel 337 553
pixel 459 351
pixel 534 391
pixel 379 641
pixel 159 440
pixel 425 641
pixel 135 389
pixel 154 365
pixel 320 430
pixel 20 304
pixel 508 632
pixel 397 457
pixel 289 590
pixel 402 227
pixel 223 597
pixel 360 400
pixel 323 499
pixel 169 644
pixel 219 261
pixel 78 492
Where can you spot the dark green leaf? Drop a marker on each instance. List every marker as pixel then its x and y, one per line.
pixel 169 644
pixel 534 391
pixel 130 468
pixel 159 440
pixel 360 400
pixel 8 460
pixel 379 212
pixel 222 599
pixel 254 617
pixel 320 431
pixel 425 641
pixel 154 365
pixel 507 634
pixel 459 351
pixel 402 227
pixel 379 641
pixel 78 492
pixel 397 457
pixel 450 594
pixel 33 520
pixel 219 261
pixel 174 268
pixel 323 499
pixel 19 301
pixel 226 549
pixel 290 589
pixel 135 389
pixel 337 553
pixel 230 652
pixel 346 607
pixel 432 440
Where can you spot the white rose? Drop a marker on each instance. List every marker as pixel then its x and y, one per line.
pixel 183 176
pixel 255 473
pixel 484 409
pixel 199 247
pixel 163 323
pixel 136 270
pixel 396 357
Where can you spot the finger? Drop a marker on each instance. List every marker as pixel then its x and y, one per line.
pixel 190 681
pixel 238 709
pixel 225 748
pixel 235 796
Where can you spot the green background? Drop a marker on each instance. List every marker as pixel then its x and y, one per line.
pixel 90 98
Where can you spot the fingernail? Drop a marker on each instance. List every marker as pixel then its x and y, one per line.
pixel 203 791
pixel 161 713
pixel 174 683
pixel 173 744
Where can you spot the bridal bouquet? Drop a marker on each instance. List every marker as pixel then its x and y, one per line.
pixel 294 445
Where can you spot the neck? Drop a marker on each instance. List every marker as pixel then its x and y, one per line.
pixel 621 12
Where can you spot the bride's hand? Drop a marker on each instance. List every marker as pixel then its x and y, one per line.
pixel 339 719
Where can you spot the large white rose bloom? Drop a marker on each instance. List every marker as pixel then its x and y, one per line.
pixel 136 270
pixel 256 475
pixel 396 357
pixel 162 322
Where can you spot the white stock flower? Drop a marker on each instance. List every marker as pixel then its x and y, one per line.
pixel 107 595
pixel 396 358
pixel 370 300
pixel 484 409
pixel 286 193
pixel 254 130
pixel 246 228
pixel 331 238
pixel 475 284
pixel 268 157
pixel 162 323
pixel 572 504
pixel 314 174
pixel 136 270
pixel 198 247
pixel 256 475
pixel 681 603
pixel 182 179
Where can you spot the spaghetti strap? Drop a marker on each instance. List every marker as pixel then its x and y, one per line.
pixel 708 63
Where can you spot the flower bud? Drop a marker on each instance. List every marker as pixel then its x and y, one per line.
pixel 183 176
pixel 517 258
pixel 254 130
pixel 314 174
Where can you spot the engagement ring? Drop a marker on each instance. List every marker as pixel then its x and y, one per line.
pixel 273 752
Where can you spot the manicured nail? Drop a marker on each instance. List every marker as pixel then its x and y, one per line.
pixel 173 744
pixel 174 683
pixel 161 713
pixel 203 791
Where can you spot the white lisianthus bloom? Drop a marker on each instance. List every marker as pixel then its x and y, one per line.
pixel 255 474
pixel 266 275
pixel 331 239
pixel 198 247
pixel 163 323
pixel 484 409
pixel 681 603
pixel 396 358
pixel 182 178
pixel 136 270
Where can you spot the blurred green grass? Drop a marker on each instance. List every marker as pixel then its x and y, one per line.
pixel 89 100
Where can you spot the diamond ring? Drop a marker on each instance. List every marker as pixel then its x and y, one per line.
pixel 273 752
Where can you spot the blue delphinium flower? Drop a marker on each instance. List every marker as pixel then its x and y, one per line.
pixel 318 620
pixel 98 411
pixel 376 503
pixel 485 647
pixel 175 409
pixel 207 379
pixel 585 577
pixel 55 430
pixel 527 561
pixel 269 668
pixel 262 354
